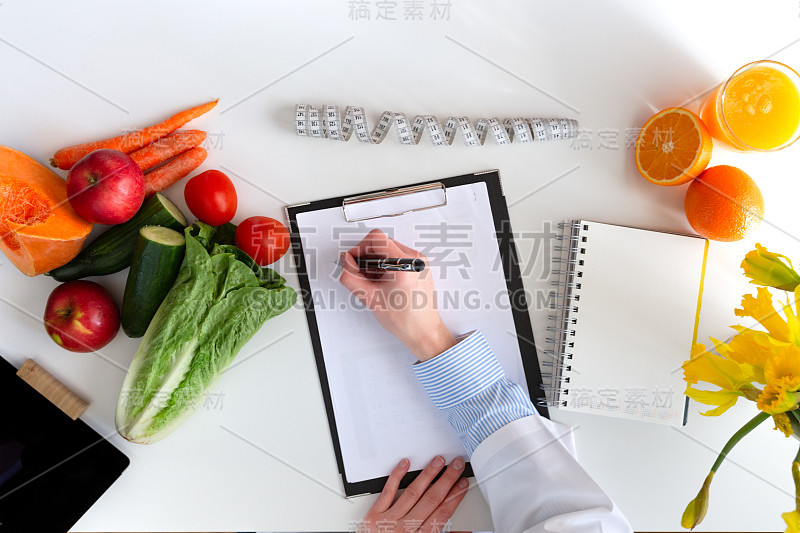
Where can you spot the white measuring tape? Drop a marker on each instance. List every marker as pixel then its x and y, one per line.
pixel 329 124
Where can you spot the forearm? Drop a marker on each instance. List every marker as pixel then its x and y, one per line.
pixel 468 383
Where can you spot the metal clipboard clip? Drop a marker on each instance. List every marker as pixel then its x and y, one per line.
pixel 396 192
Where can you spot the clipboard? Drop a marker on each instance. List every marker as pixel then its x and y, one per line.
pixel 381 206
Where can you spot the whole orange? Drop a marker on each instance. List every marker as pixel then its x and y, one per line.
pixel 724 204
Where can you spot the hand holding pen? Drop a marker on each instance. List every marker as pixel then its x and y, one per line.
pixel 401 297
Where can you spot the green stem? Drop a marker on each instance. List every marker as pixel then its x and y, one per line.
pixel 796 478
pixel 796 416
pixel 734 440
pixel 796 467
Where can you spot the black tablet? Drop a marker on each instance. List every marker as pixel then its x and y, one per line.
pixel 52 468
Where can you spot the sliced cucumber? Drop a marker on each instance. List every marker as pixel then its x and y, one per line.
pixel 157 258
pixel 112 251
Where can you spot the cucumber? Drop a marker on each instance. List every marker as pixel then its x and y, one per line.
pixel 157 258
pixel 112 251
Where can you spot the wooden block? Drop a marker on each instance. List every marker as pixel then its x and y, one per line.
pixel 52 389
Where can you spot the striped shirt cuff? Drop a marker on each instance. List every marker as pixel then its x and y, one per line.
pixel 460 372
pixel 468 384
pixel 475 419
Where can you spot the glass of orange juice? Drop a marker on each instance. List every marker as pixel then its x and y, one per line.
pixel 757 109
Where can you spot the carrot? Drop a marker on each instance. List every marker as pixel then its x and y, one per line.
pixel 130 142
pixel 173 171
pixel 164 149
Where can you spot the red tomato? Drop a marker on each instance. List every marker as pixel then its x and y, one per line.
pixel 211 197
pixel 262 238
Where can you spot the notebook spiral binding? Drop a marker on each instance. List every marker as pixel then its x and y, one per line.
pixel 568 260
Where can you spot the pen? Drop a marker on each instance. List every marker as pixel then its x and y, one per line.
pixel 396 264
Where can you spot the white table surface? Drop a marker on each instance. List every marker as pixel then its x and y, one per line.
pixel 261 458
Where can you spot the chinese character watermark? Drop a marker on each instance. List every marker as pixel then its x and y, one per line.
pixel 214 140
pixel 179 398
pixel 632 400
pixel 407 10
pixel 614 138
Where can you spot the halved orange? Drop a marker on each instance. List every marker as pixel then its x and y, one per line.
pixel 673 147
pixel 39 230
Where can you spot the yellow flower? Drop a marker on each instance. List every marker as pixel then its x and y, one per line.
pixel 696 510
pixel 774 400
pixel 733 378
pixel 715 369
pixel 723 399
pixel 770 269
pixel 751 347
pixel 762 310
pixel 782 375
pixel 792 520
pixel 783 424
pixel 783 369
pixel 791 319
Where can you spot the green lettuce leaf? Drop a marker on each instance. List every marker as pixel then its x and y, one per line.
pixel 208 235
pixel 218 302
pixel 267 278
pixel 221 239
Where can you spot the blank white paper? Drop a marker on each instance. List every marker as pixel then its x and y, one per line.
pixel 638 301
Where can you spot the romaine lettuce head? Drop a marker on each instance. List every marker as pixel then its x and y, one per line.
pixel 218 302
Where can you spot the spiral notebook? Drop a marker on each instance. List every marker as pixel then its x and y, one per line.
pixel 626 315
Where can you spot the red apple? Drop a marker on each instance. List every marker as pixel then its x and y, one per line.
pixel 106 187
pixel 81 316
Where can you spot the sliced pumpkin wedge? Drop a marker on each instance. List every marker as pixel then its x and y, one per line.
pixel 39 230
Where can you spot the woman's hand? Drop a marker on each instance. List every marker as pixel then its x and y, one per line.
pixel 403 302
pixel 422 507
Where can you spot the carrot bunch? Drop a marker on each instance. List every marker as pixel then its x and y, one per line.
pixel 165 154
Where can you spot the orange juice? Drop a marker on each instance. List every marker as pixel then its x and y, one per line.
pixel 758 108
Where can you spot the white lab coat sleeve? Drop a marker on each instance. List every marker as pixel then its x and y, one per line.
pixel 532 482
pixel 525 464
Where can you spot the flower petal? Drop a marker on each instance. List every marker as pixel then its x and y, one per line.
pixel 761 309
pixel 792 520
pixel 724 399
pixel 783 423
pixel 753 348
pixel 717 370
pixel 774 400
pixel 783 368
pixel 792 321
